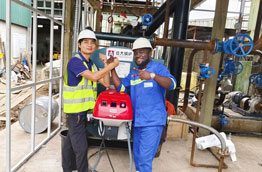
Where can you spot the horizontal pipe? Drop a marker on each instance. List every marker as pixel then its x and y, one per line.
pixel 159 41
pixel 186 44
pixel 115 37
pixel 218 135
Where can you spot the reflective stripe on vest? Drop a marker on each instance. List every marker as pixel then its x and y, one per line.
pixel 82 97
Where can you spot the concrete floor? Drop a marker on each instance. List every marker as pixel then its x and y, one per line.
pixel 174 156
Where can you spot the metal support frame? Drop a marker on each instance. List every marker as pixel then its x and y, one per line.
pixel 222 151
pixel 34 148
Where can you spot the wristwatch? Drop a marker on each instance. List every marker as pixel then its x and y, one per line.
pixel 152 75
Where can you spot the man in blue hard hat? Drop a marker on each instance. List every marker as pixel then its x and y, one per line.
pixel 147 86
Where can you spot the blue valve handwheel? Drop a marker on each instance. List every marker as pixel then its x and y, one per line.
pixel 239 47
pixel 147 19
pixel 238 68
pixel 206 72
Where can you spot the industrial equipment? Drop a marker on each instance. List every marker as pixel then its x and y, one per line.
pixel 256 79
pixel 238 46
pixel 113 111
pixel 206 71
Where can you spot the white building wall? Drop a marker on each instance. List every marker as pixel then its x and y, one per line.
pixel 20 39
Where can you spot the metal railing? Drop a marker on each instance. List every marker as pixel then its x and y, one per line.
pixel 9 89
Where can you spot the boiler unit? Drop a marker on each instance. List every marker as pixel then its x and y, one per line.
pixel 114 112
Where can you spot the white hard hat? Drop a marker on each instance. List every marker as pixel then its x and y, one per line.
pixel 141 43
pixel 86 34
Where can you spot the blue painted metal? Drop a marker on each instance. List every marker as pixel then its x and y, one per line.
pixel 256 79
pixel 232 67
pixel 223 120
pixel 147 19
pixel 238 46
pixel 206 72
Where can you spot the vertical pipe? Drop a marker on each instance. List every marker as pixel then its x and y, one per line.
pixel 8 85
pixel 258 24
pixel 61 66
pixel 196 120
pixel 180 23
pixel 188 78
pixel 166 27
pixel 85 15
pixel 241 14
pixel 51 43
pixel 76 24
pixel 34 77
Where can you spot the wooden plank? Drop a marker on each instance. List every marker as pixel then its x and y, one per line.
pixel 177 130
pixel 17 98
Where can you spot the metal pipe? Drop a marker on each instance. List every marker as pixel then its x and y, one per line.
pixel 158 17
pixel 51 43
pixel 165 34
pixel 76 24
pixel 212 130
pixel 258 44
pixel 188 78
pixel 117 37
pixel 61 67
pixel 258 23
pixel 186 44
pixel 196 120
pixel 166 27
pixel 180 23
pixel 8 85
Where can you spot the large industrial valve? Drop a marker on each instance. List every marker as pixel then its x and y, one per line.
pixel 240 46
pixel 232 67
pixel 206 71
pixel 256 79
pixel 147 19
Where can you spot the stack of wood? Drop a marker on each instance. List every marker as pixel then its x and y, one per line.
pixel 20 68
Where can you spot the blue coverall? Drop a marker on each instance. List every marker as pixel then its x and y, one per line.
pixel 148 101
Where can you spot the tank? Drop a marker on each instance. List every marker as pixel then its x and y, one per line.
pixel 41 115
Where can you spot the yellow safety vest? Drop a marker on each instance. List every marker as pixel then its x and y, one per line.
pixel 82 97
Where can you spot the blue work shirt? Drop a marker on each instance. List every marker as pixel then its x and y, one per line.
pixel 75 68
pixel 148 97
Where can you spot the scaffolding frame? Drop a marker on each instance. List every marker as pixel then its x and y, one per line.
pixel 9 89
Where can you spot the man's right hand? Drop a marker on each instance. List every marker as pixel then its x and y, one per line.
pixel 116 62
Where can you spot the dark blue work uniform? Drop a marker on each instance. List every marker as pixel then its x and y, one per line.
pixel 148 101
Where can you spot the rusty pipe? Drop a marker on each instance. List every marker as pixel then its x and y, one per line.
pixel 196 120
pixel 165 34
pixel 258 44
pixel 186 44
pixel 188 78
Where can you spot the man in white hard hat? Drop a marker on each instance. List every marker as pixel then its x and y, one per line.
pixel 147 86
pixel 79 93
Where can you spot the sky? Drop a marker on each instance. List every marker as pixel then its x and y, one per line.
pixel 234 5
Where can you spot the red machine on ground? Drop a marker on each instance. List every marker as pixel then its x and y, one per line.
pixel 113 108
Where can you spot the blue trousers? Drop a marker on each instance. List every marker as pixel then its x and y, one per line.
pixel 145 144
